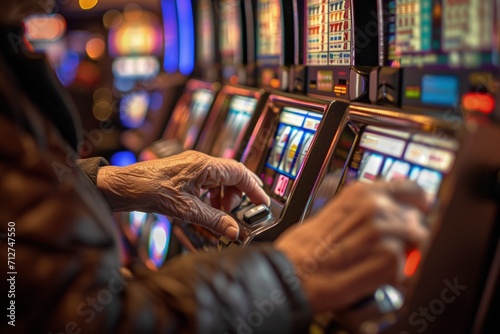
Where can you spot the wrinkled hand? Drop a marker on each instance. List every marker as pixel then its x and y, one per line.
pixel 173 186
pixel 356 243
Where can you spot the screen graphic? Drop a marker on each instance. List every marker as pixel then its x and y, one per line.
pixel 241 109
pixel 294 136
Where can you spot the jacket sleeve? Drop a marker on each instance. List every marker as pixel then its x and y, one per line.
pixel 90 167
pixel 67 261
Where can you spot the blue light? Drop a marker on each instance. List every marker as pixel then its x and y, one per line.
pixel 66 71
pixel 156 101
pixel 186 35
pixel 170 36
pixel 124 85
pixel 123 158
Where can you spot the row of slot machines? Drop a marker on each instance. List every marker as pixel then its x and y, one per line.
pixel 345 91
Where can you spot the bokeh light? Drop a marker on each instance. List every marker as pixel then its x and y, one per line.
pixel 112 18
pixel 95 48
pixel 87 4
pixel 102 110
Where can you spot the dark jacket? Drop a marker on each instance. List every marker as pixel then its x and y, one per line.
pixel 63 248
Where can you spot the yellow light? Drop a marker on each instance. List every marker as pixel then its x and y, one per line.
pixel 102 110
pixel 87 4
pixel 136 39
pixel 95 48
pixel 112 18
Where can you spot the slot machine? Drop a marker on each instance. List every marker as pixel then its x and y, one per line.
pixel 287 135
pixel 340 47
pixel 181 132
pixel 138 70
pixel 237 106
pixel 236 41
pixel 192 109
pixel 277 42
pixel 433 119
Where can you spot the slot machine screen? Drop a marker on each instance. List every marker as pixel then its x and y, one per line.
pixel 329 32
pixel 295 133
pixel 136 222
pixel 194 117
pixel 448 32
pixel 241 109
pixel 230 32
pixel 269 33
pixel 383 154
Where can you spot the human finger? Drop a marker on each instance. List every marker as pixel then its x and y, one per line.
pixel 231 198
pixel 407 192
pixel 233 173
pixel 211 218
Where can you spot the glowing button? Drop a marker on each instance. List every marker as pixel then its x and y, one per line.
pixel 482 102
pixel 412 262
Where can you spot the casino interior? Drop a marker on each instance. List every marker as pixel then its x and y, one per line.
pixel 311 96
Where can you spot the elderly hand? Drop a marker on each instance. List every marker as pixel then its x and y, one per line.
pixel 173 186
pixel 356 243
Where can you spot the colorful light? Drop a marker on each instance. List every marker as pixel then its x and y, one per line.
pixel 482 102
pixel 44 27
pixel 141 35
pixel 171 36
pixel 95 48
pixel 87 4
pixel 133 109
pixel 412 262
pixel 159 240
pixel 136 222
pixel 186 35
pixel 123 158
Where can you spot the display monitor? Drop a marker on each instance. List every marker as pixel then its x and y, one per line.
pixel 447 32
pixel 329 32
pixel 384 154
pixel 340 34
pixel 241 109
pixel 189 121
pixel 269 33
pixel 230 32
pixel 293 138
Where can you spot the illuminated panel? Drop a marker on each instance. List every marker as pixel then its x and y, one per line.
pixel 241 109
pixel 171 37
pixel 295 133
pixel 440 90
pixel 269 33
pixel 186 36
pixel 458 33
pixel 194 117
pixel 329 32
pixel 420 158
pixel 230 32
pixel 159 240
pixel 467 25
pixel 136 67
pixel 206 45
